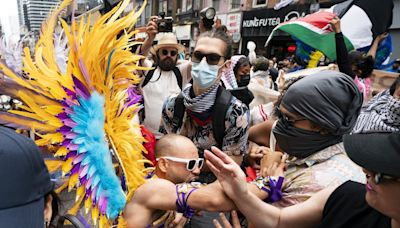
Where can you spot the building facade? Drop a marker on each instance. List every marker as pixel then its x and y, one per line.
pixel 36 12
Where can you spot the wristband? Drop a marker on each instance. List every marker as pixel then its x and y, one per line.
pixel 182 206
pixel 271 185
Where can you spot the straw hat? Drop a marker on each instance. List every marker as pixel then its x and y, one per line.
pixel 167 40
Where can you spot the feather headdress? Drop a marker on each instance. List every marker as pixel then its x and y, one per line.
pixel 85 109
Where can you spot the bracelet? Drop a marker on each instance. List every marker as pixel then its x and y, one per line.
pixel 271 185
pixel 182 206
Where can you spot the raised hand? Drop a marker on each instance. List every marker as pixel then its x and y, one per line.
pixel 228 172
pixel 335 24
pixel 151 27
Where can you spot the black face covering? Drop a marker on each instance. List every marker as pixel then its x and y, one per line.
pixel 301 143
pixel 330 100
pixel 243 94
pixel 244 80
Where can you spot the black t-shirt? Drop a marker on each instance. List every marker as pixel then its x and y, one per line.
pixel 347 207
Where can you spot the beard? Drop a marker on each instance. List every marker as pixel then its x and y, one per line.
pixel 166 64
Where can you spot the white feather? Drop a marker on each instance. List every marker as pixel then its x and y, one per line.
pixel 61 51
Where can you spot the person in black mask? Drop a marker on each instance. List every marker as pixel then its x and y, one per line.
pixel 237 78
pixel 311 117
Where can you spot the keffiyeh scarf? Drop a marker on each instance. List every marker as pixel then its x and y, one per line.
pixel 381 114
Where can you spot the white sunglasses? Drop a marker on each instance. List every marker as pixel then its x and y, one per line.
pixel 191 164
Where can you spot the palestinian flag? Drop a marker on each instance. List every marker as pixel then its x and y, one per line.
pixel 361 22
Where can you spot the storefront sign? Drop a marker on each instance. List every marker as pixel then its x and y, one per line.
pixel 233 22
pixel 262 21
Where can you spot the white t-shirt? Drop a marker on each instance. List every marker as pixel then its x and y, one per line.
pixel 162 85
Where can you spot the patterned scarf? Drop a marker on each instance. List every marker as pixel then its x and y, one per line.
pixel 201 103
pixel 228 76
pixel 381 114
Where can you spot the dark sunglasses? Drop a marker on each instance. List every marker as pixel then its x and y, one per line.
pixel 212 58
pixel 171 53
pixel 286 118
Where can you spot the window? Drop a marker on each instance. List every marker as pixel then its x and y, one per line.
pixel 235 4
pixel 259 3
pixel 215 4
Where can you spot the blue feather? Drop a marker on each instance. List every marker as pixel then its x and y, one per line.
pixel 89 116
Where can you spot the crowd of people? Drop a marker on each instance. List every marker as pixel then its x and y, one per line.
pixel 318 153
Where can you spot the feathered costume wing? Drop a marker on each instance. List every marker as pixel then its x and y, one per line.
pixel 85 110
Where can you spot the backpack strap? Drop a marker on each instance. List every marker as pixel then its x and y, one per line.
pixel 178 76
pixel 221 106
pixel 179 111
pixel 148 77
pixel 176 71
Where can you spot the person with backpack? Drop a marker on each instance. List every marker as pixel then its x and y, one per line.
pixel 204 111
pixel 167 77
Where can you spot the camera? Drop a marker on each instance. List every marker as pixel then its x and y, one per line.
pixel 207 16
pixel 164 23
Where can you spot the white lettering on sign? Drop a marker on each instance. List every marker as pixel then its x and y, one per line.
pixel 274 21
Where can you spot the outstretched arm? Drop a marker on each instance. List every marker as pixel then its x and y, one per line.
pixel 342 57
pixel 151 30
pixel 232 179
pixel 375 44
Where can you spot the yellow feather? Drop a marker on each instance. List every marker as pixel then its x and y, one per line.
pixel 73 181
pixel 62 151
pixel 95 214
pixel 76 206
pixel 67 166
pixel 53 165
pixel 62 187
pixel 88 204
pixel 51 119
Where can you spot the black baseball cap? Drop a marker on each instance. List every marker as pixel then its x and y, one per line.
pixel 25 181
pixel 378 152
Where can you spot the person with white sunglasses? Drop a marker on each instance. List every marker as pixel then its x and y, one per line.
pixel 178 162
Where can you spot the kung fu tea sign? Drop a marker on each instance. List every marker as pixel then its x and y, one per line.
pixel 262 21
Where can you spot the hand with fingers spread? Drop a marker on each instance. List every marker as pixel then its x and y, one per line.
pixel 226 223
pixel 228 172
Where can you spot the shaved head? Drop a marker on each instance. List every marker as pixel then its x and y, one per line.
pixel 173 145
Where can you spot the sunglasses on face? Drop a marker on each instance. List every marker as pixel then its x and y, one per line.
pixel 212 58
pixel 286 118
pixel 191 164
pixel 165 52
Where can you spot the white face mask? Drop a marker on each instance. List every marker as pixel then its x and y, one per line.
pixel 204 75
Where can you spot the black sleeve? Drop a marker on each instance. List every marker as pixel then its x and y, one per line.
pixel 342 57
